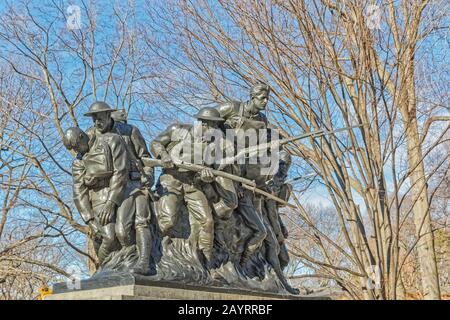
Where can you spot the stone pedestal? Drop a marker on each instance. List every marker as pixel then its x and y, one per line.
pixel 130 287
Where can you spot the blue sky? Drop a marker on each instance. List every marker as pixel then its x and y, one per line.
pixel 315 195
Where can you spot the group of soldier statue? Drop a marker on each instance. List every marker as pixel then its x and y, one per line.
pixel 190 224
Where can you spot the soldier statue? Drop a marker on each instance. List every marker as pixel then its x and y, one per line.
pixel 248 116
pixel 231 230
pixel 134 213
pixel 280 188
pixel 181 185
pixel 100 175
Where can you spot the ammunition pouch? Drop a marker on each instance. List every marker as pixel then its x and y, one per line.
pixel 96 183
pixel 222 210
pixel 98 162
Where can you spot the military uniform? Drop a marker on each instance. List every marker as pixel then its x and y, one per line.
pixel 281 189
pixel 252 207
pixel 236 117
pixel 82 201
pixel 183 143
pixel 180 186
pixel 99 176
pixel 80 190
pixel 134 211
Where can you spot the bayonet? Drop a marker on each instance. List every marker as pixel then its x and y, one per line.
pixel 254 150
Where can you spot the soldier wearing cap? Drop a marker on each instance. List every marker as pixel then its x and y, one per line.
pixel 135 211
pixel 180 142
pixel 100 175
pixel 120 116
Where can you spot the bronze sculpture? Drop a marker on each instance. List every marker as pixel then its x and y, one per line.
pixel 282 189
pixel 100 176
pixel 184 185
pixel 248 115
pixel 133 211
pixel 207 222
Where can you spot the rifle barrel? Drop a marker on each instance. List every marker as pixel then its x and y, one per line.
pixel 246 183
pixel 269 195
pixel 198 168
pixel 264 146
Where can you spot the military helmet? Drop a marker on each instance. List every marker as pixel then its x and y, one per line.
pixel 285 156
pixel 209 113
pixel 119 115
pixel 97 107
pixel 73 136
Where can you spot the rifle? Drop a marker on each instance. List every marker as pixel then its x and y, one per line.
pixel 268 145
pixel 269 195
pixel 246 183
pixel 198 168
pixel 301 177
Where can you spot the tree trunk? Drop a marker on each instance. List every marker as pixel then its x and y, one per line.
pixel 91 251
pixel 419 188
pixel 422 218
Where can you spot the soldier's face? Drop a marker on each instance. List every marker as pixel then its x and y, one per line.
pixel 260 100
pixel 83 144
pixel 208 124
pixel 101 121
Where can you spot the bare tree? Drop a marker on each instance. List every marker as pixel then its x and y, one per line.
pixel 330 64
pixel 30 243
pixel 50 73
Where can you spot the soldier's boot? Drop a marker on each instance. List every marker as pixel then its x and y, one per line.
pixel 283 280
pixel 219 237
pixel 245 257
pixel 283 256
pixel 108 244
pixel 105 250
pixel 254 243
pixel 205 257
pixel 102 253
pixel 144 246
pixel 273 260
pixel 206 241
pixel 248 252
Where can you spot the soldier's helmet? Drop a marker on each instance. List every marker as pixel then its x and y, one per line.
pixel 285 156
pixel 119 115
pixel 97 107
pixel 208 113
pixel 75 138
